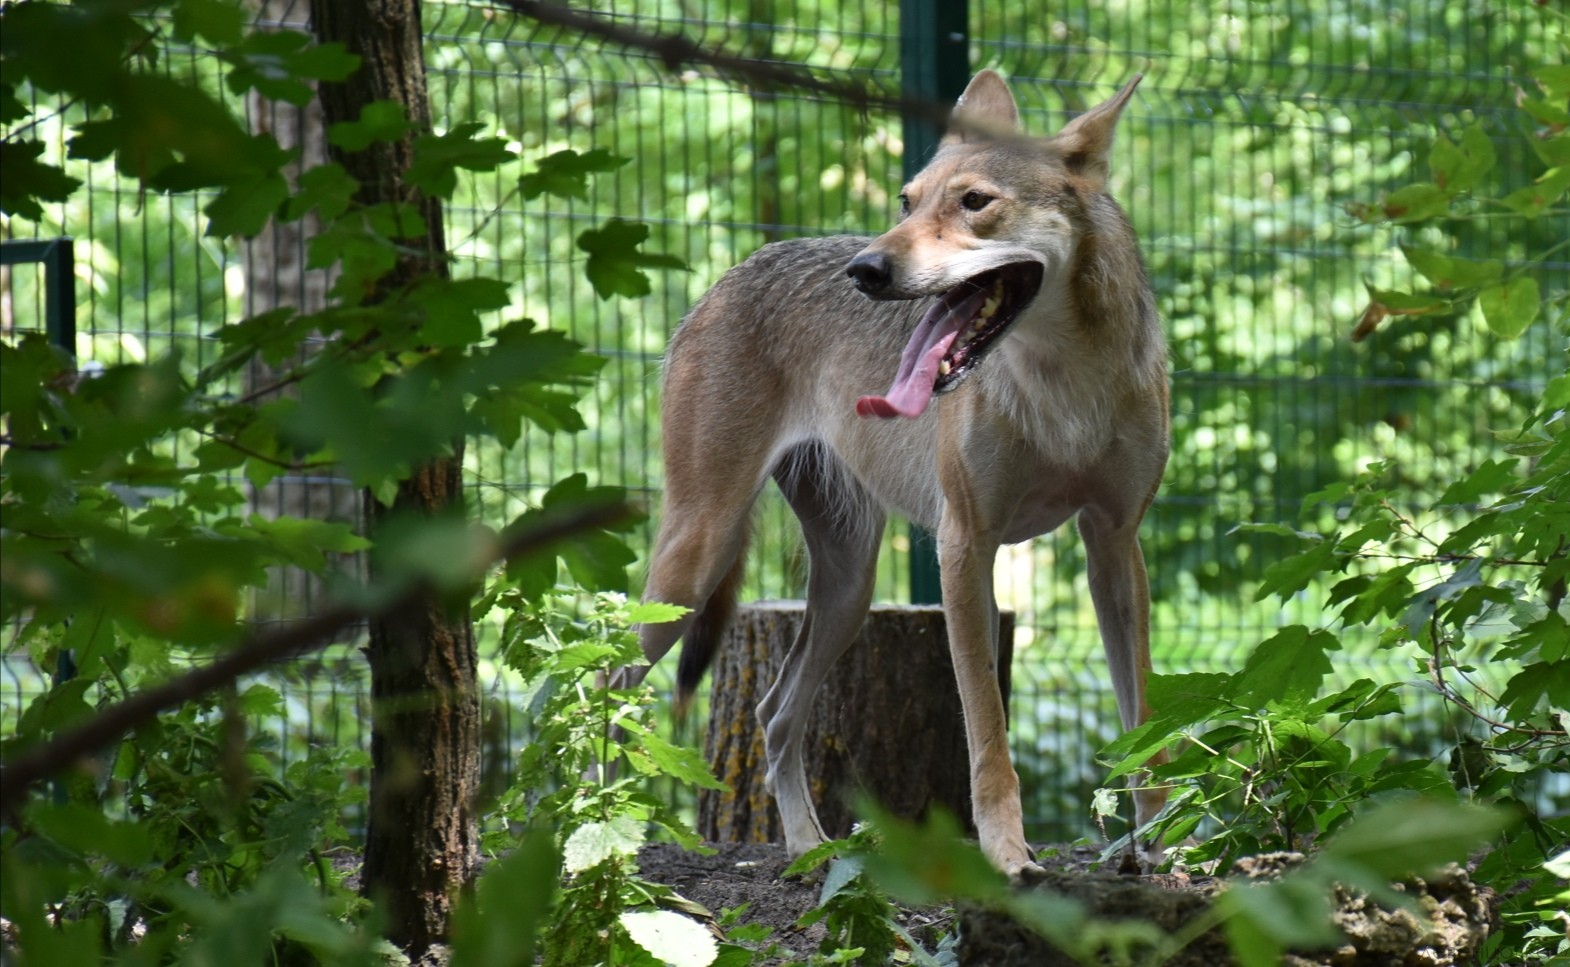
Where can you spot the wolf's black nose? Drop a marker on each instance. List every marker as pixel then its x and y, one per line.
pixel 872 271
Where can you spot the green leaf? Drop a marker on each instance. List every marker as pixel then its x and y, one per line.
pixel 452 308
pixel 1416 203
pixel 929 861
pixel 221 23
pixel 1458 168
pixel 1555 151
pixel 654 612
pixel 1293 573
pixel 1555 116
pixel 1448 273
pixel 593 843
pixel 1538 684
pixel 1545 191
pixel 25 181
pixel 1176 702
pixel 304 542
pixel 379 121
pixel 1510 307
pixel 328 188
pixel 262 701
pixel 1289 665
pixel 566 173
pixel 87 831
pixel 438 156
pixel 1397 303
pixel 12 109
pixel 615 264
pixel 1554 78
pixel 670 937
pixel 687 766
pixel 1490 477
pixel 498 924
pixel 243 209
pixel 281 64
pixel 1415 836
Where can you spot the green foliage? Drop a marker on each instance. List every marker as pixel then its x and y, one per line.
pixel 586 727
pixel 129 545
pixel 858 918
pixel 1468 584
pixel 213 853
pixel 1458 199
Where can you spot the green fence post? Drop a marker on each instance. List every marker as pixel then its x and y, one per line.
pixel 934 45
pixel 58 260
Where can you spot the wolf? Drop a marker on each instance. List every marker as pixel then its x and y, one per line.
pixel 990 367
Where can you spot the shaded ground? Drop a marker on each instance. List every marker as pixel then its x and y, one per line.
pixel 751 874
pixel 1457 915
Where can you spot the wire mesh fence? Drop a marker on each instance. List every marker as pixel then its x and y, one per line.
pixel 1253 126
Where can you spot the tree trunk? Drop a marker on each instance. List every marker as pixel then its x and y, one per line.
pixel 421 845
pixel 888 721
pixel 276 276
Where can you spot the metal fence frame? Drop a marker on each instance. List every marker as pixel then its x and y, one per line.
pixel 536 72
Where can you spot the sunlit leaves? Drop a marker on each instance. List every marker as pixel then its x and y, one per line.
pixel 1448 272
pixel 1461 167
pixel 1510 307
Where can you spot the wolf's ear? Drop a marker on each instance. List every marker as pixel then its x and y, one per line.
pixel 986 109
pixel 1086 141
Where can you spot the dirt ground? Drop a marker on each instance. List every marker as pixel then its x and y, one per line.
pixel 1459 915
pixel 752 874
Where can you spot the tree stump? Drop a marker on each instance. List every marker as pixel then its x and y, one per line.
pixel 888 721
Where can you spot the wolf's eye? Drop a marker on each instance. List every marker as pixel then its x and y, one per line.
pixel 975 201
pixel 904 204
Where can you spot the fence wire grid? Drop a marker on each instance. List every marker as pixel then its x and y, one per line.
pixel 1254 124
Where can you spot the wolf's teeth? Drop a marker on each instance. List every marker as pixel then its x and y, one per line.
pixel 990 307
pixel 944 367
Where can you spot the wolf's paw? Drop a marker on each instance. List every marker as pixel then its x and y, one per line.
pixel 1025 873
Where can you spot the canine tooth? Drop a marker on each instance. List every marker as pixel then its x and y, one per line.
pixel 944 367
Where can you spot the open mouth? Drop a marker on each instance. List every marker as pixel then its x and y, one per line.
pixel 954 336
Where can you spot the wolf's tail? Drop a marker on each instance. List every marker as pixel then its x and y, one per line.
pixel 702 641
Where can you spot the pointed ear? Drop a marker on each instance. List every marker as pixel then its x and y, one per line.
pixel 1086 141
pixel 986 109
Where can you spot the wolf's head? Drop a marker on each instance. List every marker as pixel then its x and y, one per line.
pixel 989 225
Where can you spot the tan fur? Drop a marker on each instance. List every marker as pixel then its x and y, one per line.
pixel 1066 416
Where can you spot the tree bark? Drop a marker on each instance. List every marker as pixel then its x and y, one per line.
pixel 422 840
pixel 276 276
pixel 888 721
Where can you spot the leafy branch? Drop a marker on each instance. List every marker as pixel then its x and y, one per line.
pixel 65 749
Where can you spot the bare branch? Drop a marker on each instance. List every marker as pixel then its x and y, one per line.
pixel 676 51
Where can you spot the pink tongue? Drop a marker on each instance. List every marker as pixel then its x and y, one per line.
pixel 918 367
